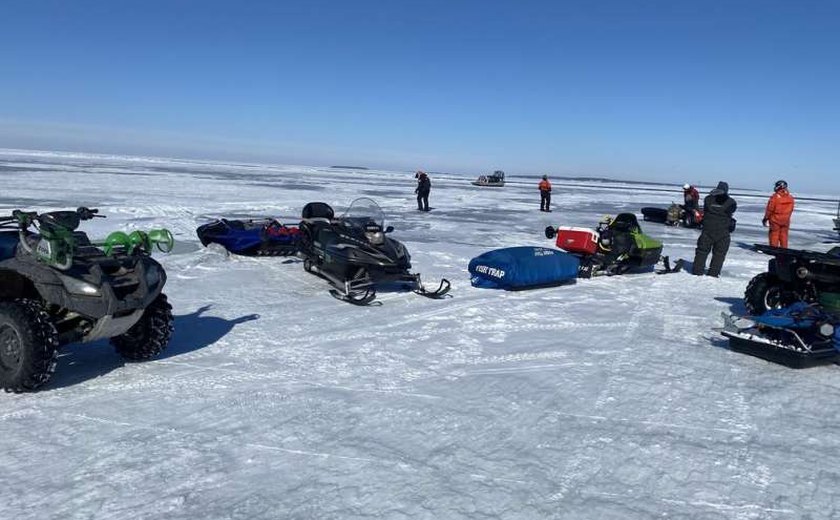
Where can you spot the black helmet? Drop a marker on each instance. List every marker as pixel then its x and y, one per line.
pixel 780 185
pixel 545 177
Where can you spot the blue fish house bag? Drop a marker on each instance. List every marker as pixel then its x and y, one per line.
pixel 516 268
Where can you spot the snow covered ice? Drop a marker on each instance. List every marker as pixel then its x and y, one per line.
pixel 611 398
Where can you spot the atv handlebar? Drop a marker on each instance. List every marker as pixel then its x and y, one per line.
pixel 25 218
pixel 88 213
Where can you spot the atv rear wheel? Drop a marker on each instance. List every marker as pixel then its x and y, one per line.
pixel 150 335
pixel 764 292
pixel 28 346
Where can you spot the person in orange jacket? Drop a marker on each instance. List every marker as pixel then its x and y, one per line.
pixel 545 194
pixel 779 209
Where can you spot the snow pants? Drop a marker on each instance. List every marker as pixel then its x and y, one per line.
pixel 423 201
pixel 779 235
pixel 545 200
pixel 716 242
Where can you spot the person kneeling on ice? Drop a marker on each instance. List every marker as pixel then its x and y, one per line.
pixel 545 194
pixel 718 224
pixel 691 197
pixel 778 212
pixel 691 203
pixel 424 186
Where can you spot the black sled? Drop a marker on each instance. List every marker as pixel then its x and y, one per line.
pixel 355 255
pixel 798 336
pixel 675 215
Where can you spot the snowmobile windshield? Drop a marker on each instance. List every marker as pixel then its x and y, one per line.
pixel 363 211
pixel 365 214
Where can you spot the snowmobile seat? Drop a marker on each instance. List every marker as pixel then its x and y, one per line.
pixel 317 212
pixel 316 217
pixel 625 222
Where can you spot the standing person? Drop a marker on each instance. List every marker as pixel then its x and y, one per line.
pixel 778 212
pixel 424 186
pixel 718 208
pixel 545 194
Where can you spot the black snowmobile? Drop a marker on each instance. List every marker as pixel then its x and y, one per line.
pixel 354 253
pixel 794 275
pixel 58 287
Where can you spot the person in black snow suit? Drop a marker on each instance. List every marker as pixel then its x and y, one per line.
pixel 718 208
pixel 424 186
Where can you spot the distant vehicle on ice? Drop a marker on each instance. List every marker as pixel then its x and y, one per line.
pixel 494 180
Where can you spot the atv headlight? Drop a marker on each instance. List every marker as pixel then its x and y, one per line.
pixel 80 287
pixel 827 330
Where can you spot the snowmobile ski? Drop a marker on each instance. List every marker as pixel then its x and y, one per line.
pixel 677 267
pixel 360 298
pixel 440 292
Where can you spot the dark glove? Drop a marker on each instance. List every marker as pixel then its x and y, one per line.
pixel 764 222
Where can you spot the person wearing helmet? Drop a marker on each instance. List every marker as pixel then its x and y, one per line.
pixel 691 203
pixel 718 208
pixel 691 197
pixel 545 194
pixel 424 187
pixel 777 214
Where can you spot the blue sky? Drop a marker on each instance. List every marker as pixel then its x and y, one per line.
pixel 745 91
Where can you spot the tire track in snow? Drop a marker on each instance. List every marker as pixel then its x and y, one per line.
pixel 206 439
pixel 580 465
pixel 493 328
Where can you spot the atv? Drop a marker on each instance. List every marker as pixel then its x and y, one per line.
pixel 355 255
pixel 616 246
pixel 794 275
pixel 58 287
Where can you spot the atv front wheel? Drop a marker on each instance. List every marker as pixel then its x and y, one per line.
pixel 764 292
pixel 150 335
pixel 28 346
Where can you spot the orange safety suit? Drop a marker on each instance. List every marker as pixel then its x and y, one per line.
pixel 545 185
pixel 545 195
pixel 777 214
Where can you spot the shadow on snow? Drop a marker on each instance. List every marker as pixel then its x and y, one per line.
pixel 81 362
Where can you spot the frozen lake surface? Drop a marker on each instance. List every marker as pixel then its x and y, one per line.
pixel 609 399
